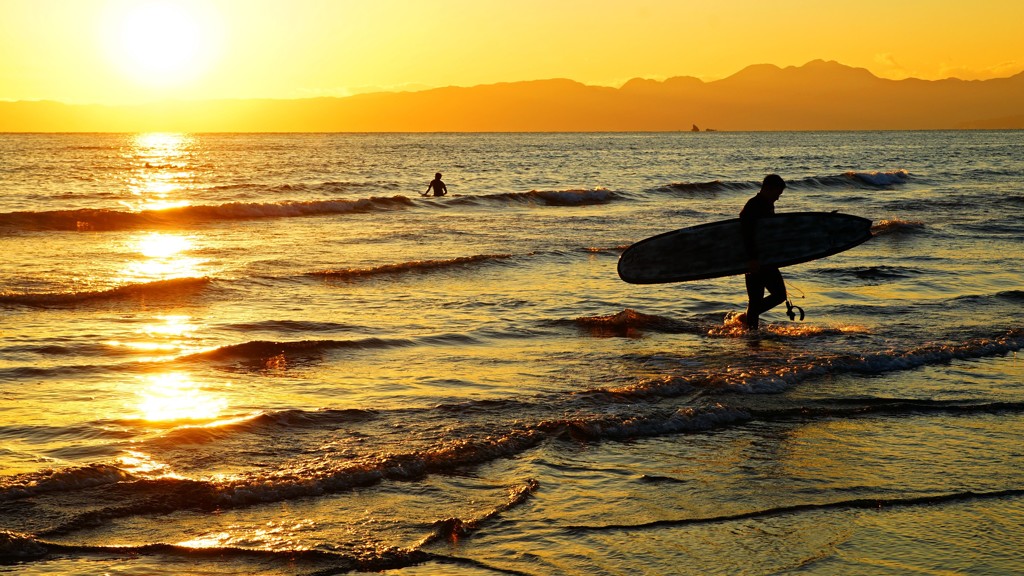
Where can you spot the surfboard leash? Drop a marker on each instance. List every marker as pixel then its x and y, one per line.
pixel 790 306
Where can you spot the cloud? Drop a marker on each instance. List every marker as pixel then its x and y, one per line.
pixel 1001 70
pixel 891 68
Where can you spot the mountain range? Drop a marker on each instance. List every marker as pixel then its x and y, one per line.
pixel 820 95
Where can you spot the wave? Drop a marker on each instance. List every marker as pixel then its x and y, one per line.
pixel 302 326
pixel 867 180
pixel 630 322
pixel 616 250
pixel 17 547
pixel 880 179
pixel 94 219
pixel 168 494
pixel 545 197
pixel 773 380
pixel 454 529
pixel 265 350
pixel 871 273
pixel 873 180
pixel 138 495
pixel 855 504
pixel 406 267
pixel 715 186
pixel 262 422
pixel 859 407
pixel 332 187
pixel 897 226
pixel 63 480
pixel 158 289
pixel 272 353
pixel 1011 295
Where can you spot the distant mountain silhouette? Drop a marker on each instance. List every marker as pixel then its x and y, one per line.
pixel 819 95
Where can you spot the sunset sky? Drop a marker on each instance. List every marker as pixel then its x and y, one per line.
pixel 126 51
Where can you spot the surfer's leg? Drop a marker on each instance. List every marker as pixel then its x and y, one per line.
pixel 755 295
pixel 776 286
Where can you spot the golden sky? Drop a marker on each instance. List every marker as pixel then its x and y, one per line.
pixel 124 51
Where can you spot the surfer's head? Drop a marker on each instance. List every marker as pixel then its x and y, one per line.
pixel 437 175
pixel 772 186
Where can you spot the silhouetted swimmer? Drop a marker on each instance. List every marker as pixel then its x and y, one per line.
pixel 760 278
pixel 439 188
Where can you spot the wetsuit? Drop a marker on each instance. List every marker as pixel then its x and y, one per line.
pixel 439 188
pixel 765 277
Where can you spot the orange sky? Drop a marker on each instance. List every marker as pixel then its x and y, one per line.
pixel 123 51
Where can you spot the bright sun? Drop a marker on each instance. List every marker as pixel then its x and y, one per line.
pixel 160 43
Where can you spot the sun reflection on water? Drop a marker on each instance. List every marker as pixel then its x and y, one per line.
pixel 158 245
pixel 268 536
pixel 173 397
pixel 163 173
pixel 166 334
pixel 142 464
pixel 164 257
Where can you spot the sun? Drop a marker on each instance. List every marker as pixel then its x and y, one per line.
pixel 160 43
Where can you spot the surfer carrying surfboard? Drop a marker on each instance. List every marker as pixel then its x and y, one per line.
pixel 439 188
pixel 760 278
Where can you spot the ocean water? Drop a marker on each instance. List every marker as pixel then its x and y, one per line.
pixel 268 354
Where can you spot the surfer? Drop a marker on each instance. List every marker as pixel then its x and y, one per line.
pixel 760 278
pixel 439 188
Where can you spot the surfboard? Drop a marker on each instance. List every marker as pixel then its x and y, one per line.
pixel 716 249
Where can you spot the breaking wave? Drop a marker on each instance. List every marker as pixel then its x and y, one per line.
pixel 405 267
pixel 89 219
pixel 267 350
pixel 864 180
pixel 158 289
pixel 545 197
pixel 879 273
pixel 137 495
pixel 695 188
pixel 630 321
pixel 17 547
pixel 452 529
pixel 856 504
pixel 777 379
pixel 62 480
pixel 897 226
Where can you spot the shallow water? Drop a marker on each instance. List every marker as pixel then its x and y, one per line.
pixel 238 354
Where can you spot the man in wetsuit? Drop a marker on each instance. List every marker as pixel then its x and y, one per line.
pixel 439 188
pixel 760 278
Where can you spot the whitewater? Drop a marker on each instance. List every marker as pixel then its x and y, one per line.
pixel 269 354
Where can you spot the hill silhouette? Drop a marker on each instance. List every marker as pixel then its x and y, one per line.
pixel 819 95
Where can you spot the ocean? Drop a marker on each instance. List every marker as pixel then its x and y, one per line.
pixel 268 354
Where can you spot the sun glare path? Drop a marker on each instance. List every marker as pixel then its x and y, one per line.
pixel 162 176
pixel 142 464
pixel 163 257
pixel 174 397
pixel 157 245
pixel 165 336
